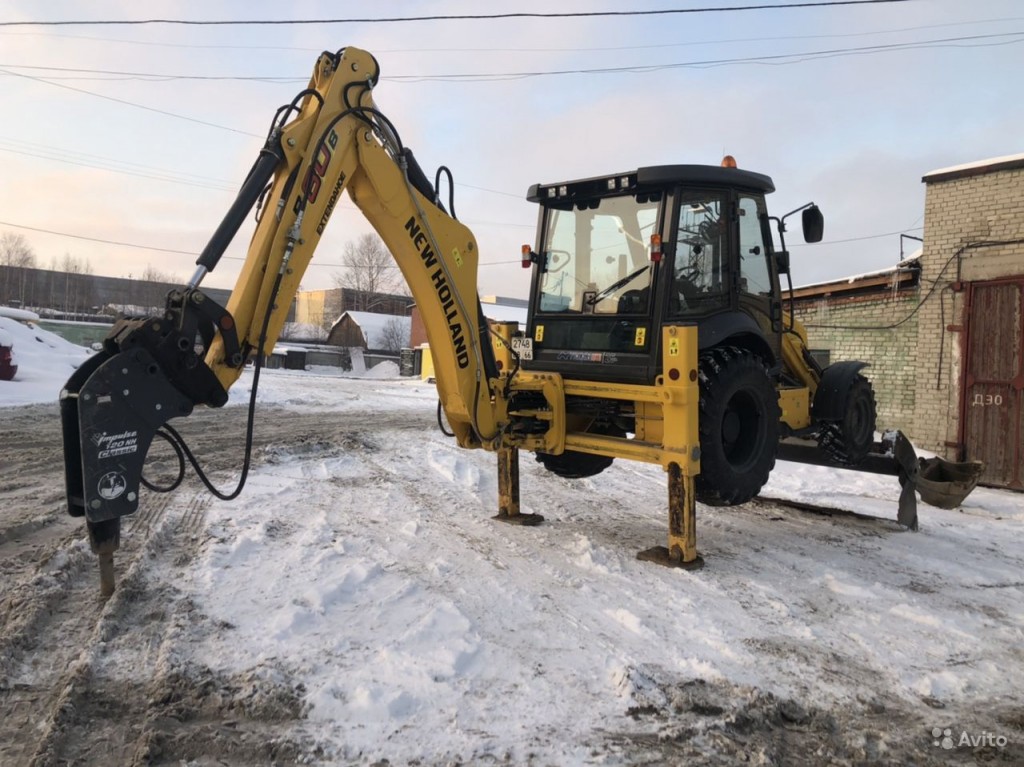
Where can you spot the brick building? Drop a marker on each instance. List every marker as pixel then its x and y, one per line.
pixel 944 332
pixel 870 317
pixel 970 385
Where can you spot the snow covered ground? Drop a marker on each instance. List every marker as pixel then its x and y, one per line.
pixel 361 571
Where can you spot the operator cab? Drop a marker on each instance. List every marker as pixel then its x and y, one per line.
pixel 619 256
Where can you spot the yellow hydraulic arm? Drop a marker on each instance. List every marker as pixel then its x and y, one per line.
pixel 340 142
pixel 329 141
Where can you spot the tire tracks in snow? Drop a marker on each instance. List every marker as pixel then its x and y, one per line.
pixel 54 630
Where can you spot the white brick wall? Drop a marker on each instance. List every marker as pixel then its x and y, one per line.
pixel 959 212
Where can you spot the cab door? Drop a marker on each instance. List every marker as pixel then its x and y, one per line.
pixel 755 269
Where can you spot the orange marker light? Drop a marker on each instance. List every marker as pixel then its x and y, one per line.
pixel 655 248
pixel 527 261
pixel 728 161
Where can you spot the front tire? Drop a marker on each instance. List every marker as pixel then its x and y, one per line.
pixel 738 424
pixel 849 440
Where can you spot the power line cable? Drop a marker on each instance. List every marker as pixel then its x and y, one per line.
pixel 647 46
pixel 129 103
pixel 122 171
pixel 776 59
pixel 62 154
pixel 43 152
pixel 241 258
pixel 857 239
pixel 193 253
pixel 709 63
pixel 446 17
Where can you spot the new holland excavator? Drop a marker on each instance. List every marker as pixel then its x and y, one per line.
pixel 656 330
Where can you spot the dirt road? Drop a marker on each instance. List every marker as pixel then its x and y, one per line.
pixel 57 632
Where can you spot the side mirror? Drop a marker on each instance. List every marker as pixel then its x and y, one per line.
pixel 782 261
pixel 813 224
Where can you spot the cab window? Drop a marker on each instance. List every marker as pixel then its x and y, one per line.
pixel 597 256
pixel 701 264
pixel 755 275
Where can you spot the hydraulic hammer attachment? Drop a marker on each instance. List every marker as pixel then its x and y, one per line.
pixel 110 414
pixel 150 371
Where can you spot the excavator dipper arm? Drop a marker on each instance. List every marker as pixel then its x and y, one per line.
pixel 330 140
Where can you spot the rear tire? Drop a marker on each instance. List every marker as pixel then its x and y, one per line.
pixel 849 440
pixel 739 427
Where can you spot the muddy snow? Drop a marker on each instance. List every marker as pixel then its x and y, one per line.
pixel 358 605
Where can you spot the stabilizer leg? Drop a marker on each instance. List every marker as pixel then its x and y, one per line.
pixel 682 525
pixel 508 490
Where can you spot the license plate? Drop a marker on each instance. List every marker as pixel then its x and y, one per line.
pixel 523 347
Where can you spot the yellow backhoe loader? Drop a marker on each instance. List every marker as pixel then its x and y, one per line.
pixel 656 328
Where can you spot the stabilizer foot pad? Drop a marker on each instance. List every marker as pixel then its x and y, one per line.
pixel 660 555
pixel 526 520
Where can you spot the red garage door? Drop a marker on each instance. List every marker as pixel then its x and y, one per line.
pixel 993 404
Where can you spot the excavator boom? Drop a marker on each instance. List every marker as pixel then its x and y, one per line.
pixel 331 140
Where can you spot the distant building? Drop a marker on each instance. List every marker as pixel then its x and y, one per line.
pixel 67 295
pixel 495 308
pixel 369 330
pixel 322 307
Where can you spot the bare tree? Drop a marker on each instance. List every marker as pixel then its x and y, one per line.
pixel 15 250
pixel 368 269
pixel 16 256
pixel 394 336
pixel 152 274
pixel 75 288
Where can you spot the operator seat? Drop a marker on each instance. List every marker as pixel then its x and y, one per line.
pixel 633 301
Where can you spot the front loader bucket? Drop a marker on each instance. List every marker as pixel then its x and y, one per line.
pixel 939 482
pixel 947 484
pixel 111 408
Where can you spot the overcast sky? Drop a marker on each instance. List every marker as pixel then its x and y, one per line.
pixel 848 106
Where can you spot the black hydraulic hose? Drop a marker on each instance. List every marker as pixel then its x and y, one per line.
pixel 180 455
pixel 281 115
pixel 440 422
pixel 254 186
pixel 179 442
pixel 451 188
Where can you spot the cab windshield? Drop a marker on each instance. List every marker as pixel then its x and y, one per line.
pixel 597 257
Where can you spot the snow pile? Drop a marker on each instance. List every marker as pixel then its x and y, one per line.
pixel 45 362
pixel 386 369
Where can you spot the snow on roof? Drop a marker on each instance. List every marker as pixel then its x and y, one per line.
pixel 976 165
pixel 375 325
pixel 23 315
pixel 910 260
